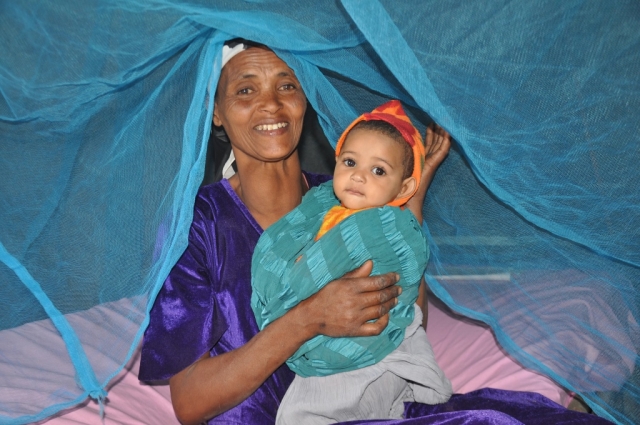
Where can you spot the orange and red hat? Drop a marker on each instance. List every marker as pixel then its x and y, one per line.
pixel 393 113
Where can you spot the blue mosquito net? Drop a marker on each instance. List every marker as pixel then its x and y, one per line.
pixel 533 218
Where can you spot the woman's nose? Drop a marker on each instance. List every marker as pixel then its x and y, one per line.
pixel 270 101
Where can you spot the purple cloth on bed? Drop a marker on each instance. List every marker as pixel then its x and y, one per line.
pixel 204 306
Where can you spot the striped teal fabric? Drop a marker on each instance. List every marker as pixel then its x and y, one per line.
pixel 288 267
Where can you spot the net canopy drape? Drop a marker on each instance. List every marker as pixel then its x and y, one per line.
pixel 105 114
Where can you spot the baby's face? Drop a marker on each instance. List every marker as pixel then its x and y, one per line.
pixel 368 170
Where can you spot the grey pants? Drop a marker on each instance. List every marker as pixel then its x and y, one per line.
pixel 409 373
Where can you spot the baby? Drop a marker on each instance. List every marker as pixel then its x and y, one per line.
pixel 338 226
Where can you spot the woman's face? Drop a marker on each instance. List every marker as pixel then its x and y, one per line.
pixel 261 105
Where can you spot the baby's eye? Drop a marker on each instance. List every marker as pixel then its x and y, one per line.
pixel 349 162
pixel 378 171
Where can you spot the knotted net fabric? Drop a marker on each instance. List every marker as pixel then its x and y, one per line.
pixel 532 220
pixel 289 266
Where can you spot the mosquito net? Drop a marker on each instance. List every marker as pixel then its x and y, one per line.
pixel 533 218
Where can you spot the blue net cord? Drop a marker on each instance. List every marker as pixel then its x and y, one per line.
pixel 533 218
pixel 84 373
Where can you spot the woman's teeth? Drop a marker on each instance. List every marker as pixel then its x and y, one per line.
pixel 271 127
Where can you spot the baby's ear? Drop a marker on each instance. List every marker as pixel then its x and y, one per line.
pixel 408 186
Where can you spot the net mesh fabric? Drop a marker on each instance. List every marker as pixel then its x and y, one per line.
pixel 533 218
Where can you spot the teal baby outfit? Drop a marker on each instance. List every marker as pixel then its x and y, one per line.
pixel 289 265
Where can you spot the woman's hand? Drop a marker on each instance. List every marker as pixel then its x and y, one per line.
pixel 437 144
pixel 355 305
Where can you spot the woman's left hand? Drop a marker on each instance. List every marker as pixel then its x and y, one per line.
pixel 437 145
pixel 355 305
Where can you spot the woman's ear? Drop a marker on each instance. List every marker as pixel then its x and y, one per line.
pixel 216 119
pixel 408 187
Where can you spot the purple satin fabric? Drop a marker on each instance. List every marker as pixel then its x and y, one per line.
pixel 490 406
pixel 204 306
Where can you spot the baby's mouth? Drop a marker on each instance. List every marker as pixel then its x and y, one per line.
pixel 353 192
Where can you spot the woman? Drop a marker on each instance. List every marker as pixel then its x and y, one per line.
pixel 202 335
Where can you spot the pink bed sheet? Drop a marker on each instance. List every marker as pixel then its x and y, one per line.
pixel 466 350
pixel 471 357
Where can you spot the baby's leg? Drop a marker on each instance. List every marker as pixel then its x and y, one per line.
pixel 368 393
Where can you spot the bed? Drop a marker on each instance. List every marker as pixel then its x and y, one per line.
pixel 457 341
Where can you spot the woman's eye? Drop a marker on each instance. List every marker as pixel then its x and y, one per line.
pixel 245 90
pixel 378 171
pixel 349 162
pixel 288 87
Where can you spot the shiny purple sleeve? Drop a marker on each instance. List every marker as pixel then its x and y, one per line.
pixel 185 321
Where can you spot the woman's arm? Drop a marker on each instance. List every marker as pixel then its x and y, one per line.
pixel 344 307
pixel 437 144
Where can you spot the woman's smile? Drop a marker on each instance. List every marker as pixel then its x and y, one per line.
pixel 271 127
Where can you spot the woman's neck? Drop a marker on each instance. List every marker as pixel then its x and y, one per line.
pixel 269 190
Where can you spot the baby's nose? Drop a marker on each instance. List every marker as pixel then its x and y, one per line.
pixel 357 176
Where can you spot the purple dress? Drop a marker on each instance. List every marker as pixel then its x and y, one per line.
pixel 204 306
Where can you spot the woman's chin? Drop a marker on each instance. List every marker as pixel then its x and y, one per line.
pixel 278 155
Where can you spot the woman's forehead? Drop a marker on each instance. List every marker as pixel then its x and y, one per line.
pixel 255 60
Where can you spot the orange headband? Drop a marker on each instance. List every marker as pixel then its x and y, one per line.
pixel 393 113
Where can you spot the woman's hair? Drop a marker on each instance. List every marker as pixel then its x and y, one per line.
pixel 390 131
pixel 248 43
